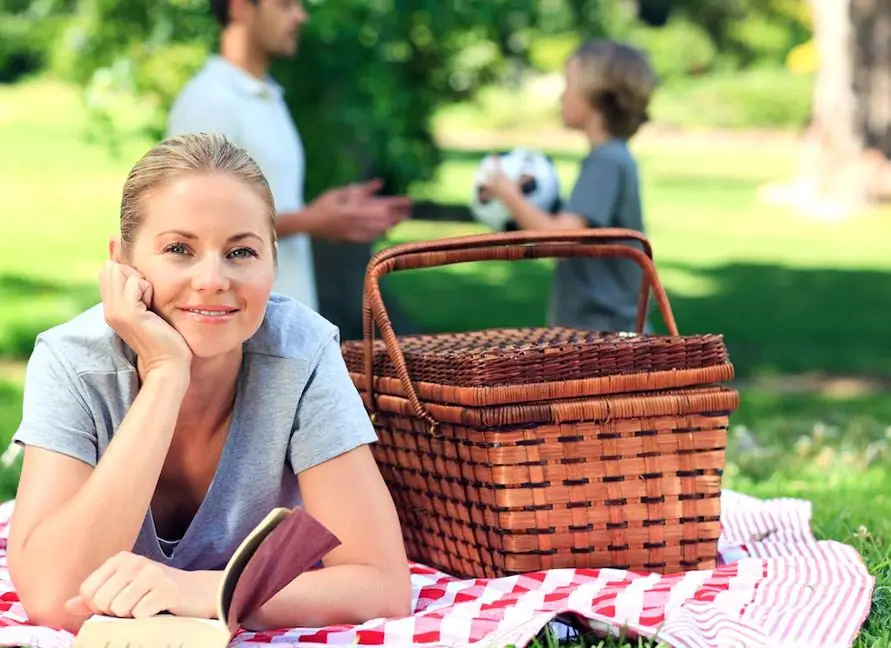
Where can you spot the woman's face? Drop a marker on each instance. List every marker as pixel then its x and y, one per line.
pixel 206 247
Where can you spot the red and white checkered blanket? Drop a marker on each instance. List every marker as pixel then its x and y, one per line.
pixel 775 586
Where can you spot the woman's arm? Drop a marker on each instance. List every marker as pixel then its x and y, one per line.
pixel 341 486
pixel 69 517
pixel 367 576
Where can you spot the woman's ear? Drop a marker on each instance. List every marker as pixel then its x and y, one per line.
pixel 114 249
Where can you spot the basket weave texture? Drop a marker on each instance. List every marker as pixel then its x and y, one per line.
pixel 517 450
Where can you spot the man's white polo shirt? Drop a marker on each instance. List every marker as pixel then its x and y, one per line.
pixel 251 112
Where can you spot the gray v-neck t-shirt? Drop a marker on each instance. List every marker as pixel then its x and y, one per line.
pixel 295 408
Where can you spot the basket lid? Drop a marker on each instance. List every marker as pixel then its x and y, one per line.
pixel 525 356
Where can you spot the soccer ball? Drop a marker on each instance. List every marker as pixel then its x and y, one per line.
pixel 532 170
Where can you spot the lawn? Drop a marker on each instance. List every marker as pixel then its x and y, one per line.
pixel 802 303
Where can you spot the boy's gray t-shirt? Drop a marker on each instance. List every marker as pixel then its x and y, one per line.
pixel 295 408
pixel 601 293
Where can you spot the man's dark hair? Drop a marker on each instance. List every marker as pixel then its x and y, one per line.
pixel 220 10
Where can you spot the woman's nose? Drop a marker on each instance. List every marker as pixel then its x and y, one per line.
pixel 211 275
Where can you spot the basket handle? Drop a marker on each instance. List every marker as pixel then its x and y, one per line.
pixel 507 246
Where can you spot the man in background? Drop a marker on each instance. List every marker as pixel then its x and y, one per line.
pixel 233 94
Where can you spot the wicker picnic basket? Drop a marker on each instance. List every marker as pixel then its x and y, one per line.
pixel 518 450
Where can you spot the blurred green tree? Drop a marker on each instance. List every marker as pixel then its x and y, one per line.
pixel 371 74
pixel 367 80
pixel 28 29
pixel 363 89
pixel 750 32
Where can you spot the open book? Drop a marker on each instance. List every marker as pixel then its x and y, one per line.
pixel 283 546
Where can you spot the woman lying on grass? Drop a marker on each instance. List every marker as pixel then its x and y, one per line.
pixel 163 424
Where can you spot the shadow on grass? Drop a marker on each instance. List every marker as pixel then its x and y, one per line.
pixel 31 305
pixel 780 320
pixel 776 320
pixel 779 323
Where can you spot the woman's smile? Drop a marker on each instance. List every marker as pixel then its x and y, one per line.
pixel 208 314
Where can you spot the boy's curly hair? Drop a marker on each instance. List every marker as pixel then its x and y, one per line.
pixel 618 81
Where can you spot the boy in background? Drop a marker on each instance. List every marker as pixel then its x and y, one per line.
pixel 607 92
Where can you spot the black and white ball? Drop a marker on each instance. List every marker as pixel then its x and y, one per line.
pixel 536 176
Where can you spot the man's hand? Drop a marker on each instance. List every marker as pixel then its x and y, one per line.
pixel 356 214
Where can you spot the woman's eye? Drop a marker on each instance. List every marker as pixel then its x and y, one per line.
pixel 243 253
pixel 176 248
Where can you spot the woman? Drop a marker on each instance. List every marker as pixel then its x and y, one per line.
pixel 163 424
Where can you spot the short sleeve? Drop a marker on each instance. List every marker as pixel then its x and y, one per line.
pixel 55 415
pixel 596 192
pixel 331 417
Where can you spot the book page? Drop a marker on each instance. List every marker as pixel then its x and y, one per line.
pixel 242 555
pixel 161 631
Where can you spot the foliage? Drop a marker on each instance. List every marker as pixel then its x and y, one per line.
pixel 683 37
pixel 145 48
pixel 549 52
pixel 27 31
pixel 758 98
pixel 371 74
pixel 803 58
pixel 752 31
pixel 677 50
pixel 368 78
pixel 378 74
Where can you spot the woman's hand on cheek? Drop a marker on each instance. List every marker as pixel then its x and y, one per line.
pixel 126 299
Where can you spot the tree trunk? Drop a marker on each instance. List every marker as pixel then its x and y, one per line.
pixel 849 140
pixel 871 21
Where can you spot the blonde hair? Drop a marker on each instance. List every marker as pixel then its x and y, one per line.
pixel 186 155
pixel 618 81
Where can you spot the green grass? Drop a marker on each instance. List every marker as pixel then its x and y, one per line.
pixel 754 98
pixel 791 294
pixel 802 303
